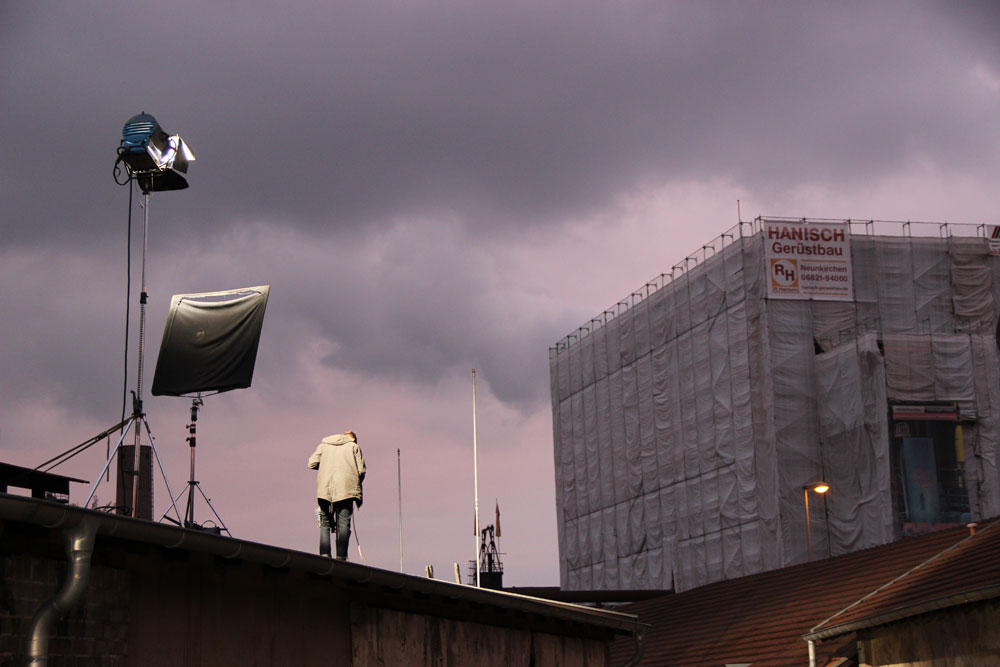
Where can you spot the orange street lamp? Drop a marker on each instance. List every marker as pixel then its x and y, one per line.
pixel 815 487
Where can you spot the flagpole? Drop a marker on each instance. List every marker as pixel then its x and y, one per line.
pixel 475 470
pixel 399 492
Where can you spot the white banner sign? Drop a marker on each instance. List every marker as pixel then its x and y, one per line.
pixel 994 240
pixel 808 260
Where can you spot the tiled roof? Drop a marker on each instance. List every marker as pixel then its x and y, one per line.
pixel 761 619
pixel 967 571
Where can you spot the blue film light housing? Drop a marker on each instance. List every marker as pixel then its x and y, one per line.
pixel 138 131
pixel 153 157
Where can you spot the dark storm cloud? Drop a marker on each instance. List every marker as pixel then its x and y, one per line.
pixel 501 115
pixel 63 332
pixel 349 121
pixel 434 315
pixel 430 187
pixel 977 23
pixel 419 304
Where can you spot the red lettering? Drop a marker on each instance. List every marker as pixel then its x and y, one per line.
pixel 807 233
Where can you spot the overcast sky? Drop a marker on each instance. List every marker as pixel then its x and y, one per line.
pixel 432 187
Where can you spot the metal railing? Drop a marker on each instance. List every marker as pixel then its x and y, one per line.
pixel 749 229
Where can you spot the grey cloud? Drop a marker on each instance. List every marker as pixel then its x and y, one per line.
pixel 63 334
pixel 350 120
pixel 425 304
pixel 383 165
pixel 500 116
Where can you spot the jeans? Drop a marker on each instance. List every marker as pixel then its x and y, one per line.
pixel 336 516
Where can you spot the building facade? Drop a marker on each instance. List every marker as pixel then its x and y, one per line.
pixel 690 419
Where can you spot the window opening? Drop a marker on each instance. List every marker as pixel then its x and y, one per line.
pixel 929 468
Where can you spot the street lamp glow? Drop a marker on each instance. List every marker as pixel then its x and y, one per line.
pixel 816 487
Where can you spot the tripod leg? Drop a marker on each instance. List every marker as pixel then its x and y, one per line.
pixel 128 424
pixel 170 493
pixel 208 501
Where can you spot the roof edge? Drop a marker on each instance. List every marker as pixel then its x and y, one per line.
pixel 932 559
pixel 53 515
pixel 936 604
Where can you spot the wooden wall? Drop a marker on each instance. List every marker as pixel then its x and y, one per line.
pixel 962 636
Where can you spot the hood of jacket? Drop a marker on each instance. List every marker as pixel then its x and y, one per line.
pixel 337 439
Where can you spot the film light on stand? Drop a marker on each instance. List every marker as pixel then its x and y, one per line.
pixel 154 158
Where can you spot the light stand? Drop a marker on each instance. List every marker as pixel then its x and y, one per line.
pixel 209 344
pixel 155 161
pixel 192 442
pixel 193 483
pixel 137 412
pixel 152 159
pixel 148 175
pixel 138 417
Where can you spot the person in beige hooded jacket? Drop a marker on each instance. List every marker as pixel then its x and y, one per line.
pixel 341 473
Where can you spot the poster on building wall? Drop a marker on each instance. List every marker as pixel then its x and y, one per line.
pixel 994 240
pixel 808 260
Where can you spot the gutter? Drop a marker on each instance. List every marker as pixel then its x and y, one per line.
pixel 56 515
pixel 978 595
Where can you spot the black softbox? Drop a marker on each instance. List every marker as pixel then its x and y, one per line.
pixel 210 342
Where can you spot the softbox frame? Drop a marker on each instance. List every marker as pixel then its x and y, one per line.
pixel 210 341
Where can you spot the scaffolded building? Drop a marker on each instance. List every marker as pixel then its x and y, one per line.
pixel 691 419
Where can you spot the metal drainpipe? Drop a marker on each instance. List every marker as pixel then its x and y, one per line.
pixel 637 656
pixel 79 549
pixel 812 653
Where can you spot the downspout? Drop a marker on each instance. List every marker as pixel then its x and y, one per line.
pixel 812 653
pixel 637 656
pixel 79 549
